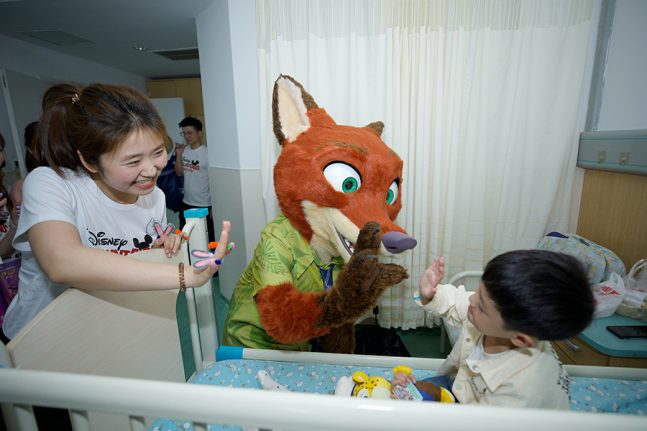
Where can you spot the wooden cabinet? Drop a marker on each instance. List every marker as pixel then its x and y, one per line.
pixel 577 352
pixel 189 89
pixel 613 210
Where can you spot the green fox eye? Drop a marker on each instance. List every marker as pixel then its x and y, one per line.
pixel 392 193
pixel 342 177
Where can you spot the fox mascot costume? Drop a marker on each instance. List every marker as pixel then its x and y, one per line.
pixel 316 270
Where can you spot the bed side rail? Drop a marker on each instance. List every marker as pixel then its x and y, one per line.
pixel 283 410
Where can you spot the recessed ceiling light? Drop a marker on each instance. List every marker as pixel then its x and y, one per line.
pixel 57 37
pixel 179 54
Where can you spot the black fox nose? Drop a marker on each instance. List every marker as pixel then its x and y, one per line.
pixel 397 242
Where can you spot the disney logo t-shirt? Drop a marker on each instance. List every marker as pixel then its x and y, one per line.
pixel 101 222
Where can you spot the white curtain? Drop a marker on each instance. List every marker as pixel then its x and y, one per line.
pixel 481 99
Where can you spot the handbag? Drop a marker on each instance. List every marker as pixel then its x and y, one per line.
pixel 172 185
pixel 599 262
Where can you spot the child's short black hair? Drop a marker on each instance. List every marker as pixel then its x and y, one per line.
pixel 541 293
pixel 191 122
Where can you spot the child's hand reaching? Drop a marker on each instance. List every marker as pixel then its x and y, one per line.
pixel 430 279
pixel 400 381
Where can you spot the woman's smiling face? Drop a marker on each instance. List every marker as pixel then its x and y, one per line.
pixel 133 168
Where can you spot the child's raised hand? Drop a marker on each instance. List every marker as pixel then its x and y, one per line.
pixel 431 278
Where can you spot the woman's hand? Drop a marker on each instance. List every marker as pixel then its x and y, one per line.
pixel 199 277
pixel 170 242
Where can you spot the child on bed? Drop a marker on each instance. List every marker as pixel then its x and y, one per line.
pixel 503 355
pixel 94 200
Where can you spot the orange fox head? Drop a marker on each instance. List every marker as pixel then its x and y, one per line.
pixel 331 179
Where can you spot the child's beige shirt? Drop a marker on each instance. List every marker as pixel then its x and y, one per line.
pixel 525 377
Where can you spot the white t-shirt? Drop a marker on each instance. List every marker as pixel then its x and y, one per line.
pixel 101 222
pixel 196 176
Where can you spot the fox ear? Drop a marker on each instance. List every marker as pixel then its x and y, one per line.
pixel 377 127
pixel 290 106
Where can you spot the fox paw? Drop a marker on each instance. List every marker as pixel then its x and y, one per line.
pixel 369 237
pixel 391 274
pixel 361 282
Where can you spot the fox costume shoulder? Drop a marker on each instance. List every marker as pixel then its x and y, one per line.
pixel 316 269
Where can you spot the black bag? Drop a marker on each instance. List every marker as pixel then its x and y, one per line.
pixel 172 185
pixel 375 340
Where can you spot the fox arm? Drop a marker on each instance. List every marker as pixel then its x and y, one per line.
pixel 289 315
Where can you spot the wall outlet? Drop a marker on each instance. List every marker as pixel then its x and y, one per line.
pixel 602 156
pixel 624 158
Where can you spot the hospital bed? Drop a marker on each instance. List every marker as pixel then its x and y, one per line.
pixel 140 385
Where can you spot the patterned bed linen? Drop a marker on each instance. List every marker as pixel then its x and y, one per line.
pixel 587 394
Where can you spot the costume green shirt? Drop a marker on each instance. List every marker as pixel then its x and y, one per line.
pixel 282 256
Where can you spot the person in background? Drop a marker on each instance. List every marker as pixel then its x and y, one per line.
pixel 8 212
pixel 15 192
pixel 8 221
pixel 101 149
pixel 192 163
pixel 503 355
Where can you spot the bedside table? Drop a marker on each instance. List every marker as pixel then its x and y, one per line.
pixel 597 346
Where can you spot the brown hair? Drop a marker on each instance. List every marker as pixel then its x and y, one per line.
pixel 31 162
pixel 92 120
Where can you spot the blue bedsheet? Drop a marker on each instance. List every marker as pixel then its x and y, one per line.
pixel 587 394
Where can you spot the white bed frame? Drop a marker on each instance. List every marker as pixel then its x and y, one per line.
pixel 112 374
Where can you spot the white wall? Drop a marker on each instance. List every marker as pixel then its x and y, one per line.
pixel 229 70
pixel 50 66
pixel 39 62
pixel 624 98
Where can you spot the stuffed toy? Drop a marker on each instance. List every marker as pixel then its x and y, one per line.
pixel 316 270
pixel 360 385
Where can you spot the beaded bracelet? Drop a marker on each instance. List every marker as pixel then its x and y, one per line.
pixel 180 268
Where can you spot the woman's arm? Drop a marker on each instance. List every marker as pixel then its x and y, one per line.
pixel 179 167
pixel 62 256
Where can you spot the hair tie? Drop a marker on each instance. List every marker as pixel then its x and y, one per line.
pixel 75 98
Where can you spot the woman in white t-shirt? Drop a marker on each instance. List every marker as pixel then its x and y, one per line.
pixel 101 149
